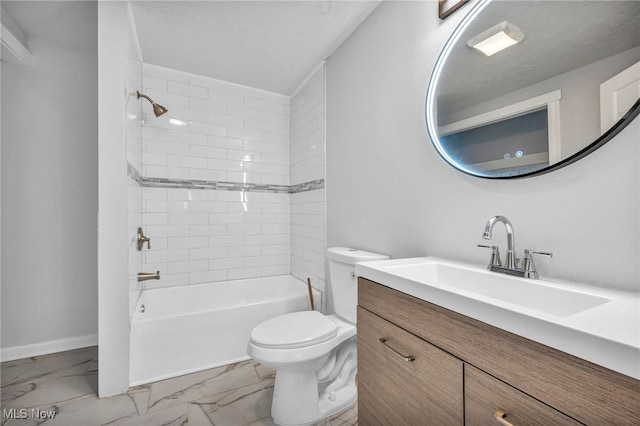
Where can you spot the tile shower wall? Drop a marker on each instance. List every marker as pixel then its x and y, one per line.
pixel 216 180
pixel 307 165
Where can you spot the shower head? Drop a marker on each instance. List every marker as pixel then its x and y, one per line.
pixel 158 109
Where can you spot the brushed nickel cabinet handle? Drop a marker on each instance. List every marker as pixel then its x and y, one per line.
pixel 501 416
pixel 408 358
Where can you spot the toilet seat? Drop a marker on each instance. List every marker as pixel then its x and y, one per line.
pixel 295 330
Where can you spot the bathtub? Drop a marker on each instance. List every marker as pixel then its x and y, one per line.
pixel 195 327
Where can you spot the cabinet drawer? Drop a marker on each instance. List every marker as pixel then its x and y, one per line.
pixel 393 388
pixel 485 395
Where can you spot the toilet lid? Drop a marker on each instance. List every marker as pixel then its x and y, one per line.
pixel 295 330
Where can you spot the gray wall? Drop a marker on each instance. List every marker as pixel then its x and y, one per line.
pixel 388 190
pixel 49 196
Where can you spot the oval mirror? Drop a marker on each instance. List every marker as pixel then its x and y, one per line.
pixel 525 87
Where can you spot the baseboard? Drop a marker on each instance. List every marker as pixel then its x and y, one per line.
pixel 50 347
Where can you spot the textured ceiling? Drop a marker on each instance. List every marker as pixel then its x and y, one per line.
pixel 59 22
pixel 271 45
pixel 559 36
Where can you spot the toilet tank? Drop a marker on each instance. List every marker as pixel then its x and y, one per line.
pixel 342 271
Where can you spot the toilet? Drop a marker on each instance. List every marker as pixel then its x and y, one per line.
pixel 314 355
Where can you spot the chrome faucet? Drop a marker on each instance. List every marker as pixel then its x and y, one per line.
pixel 511 262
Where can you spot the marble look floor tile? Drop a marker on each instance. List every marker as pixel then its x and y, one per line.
pixel 50 390
pixel 174 416
pixel 241 406
pixel 239 394
pixel 86 411
pixel 264 371
pixel 29 369
pixel 192 387
pixel 348 417
pixel 198 417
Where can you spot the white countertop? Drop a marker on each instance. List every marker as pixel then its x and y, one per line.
pixel 607 334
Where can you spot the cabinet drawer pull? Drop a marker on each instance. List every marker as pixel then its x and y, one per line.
pixel 501 416
pixel 408 358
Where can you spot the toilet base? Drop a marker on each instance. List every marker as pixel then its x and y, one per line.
pixel 295 408
pixel 304 396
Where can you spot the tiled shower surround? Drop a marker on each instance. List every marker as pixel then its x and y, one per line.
pixel 221 198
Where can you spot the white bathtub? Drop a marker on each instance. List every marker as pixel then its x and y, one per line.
pixel 195 327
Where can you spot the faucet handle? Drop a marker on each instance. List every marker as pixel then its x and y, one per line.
pixel 527 264
pixel 495 255
pixel 142 239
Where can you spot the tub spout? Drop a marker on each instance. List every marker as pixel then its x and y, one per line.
pixel 145 276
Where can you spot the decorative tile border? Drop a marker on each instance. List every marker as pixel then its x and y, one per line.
pixel 150 182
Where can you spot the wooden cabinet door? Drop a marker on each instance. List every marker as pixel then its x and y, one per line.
pixel 486 398
pixel 403 380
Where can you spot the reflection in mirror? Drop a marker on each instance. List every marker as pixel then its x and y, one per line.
pixel 563 80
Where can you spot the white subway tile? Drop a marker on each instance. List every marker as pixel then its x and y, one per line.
pixel 165 172
pixel 244 229
pixel 226 263
pixel 167 230
pixel 162 147
pixel 209 83
pixel 187 90
pixel 207 276
pixel 188 266
pixel 166 73
pixel 169 280
pixel 207 253
pixel 224 142
pixel 184 194
pixel 187 161
pixel 245 251
pixel 154 158
pixel 187 243
pixel 208 206
pixel 208 106
pixel 154 193
pixel 184 137
pixel 149 82
pixel 208 129
pixel 272 270
pixel 154 133
pixel 225 120
pixel 226 240
pixel 276 98
pixel 230 219
pixel 226 97
pixel 208 230
pixel 165 255
pixel 208 175
pixel 208 152
pixel 244 273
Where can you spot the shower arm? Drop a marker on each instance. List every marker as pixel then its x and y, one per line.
pixel 140 95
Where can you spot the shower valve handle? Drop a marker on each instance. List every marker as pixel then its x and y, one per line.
pixel 142 239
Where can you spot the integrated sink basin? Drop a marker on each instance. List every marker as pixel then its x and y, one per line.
pixel 532 294
pixel 598 324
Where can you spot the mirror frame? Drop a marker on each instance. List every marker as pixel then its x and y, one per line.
pixel 432 128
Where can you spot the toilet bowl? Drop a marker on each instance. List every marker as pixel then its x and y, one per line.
pixel 314 355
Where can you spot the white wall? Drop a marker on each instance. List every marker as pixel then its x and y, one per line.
pixel 133 136
pixel 307 165
pixel 115 55
pixel 49 200
pixel 389 191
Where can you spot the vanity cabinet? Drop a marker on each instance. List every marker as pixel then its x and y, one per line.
pixel 473 370
pixel 403 379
